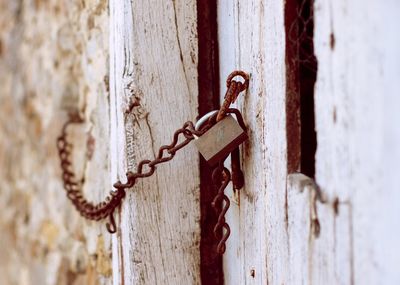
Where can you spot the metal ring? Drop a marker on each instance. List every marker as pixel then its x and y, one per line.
pixel 242 74
pixel 204 119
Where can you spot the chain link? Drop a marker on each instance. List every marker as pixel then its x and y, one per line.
pixel 146 168
pixel 221 177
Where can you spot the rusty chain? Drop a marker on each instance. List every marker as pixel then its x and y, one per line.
pixel 145 168
pixel 106 208
pixel 221 177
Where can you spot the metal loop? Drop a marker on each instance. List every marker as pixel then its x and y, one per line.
pixel 204 119
pixel 242 74
pixel 111 227
pixel 233 91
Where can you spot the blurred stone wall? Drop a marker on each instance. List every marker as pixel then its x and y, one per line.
pixel 53 58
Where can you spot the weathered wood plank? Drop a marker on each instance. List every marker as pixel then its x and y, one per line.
pixel 357 49
pixel 252 39
pixel 154 63
pixel 301 200
pixel 356 155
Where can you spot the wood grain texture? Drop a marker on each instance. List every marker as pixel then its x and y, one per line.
pixel 281 233
pixel 154 63
pixel 357 157
pixel 251 38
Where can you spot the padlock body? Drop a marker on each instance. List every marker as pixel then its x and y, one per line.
pixel 220 140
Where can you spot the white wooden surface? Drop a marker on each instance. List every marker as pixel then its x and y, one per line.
pixel 154 60
pixel 275 225
pixel 251 38
pixel 275 235
pixel 357 103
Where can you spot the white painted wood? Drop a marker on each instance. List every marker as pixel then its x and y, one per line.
pixel 301 202
pixel 274 226
pixel 357 158
pixel 251 38
pixel 154 60
pixel 153 57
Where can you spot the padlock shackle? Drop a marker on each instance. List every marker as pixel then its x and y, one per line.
pixel 210 114
pixel 204 119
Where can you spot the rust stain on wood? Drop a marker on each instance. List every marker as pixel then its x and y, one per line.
pixel 208 84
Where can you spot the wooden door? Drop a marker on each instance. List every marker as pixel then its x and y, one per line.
pixel 321 198
pixel 153 64
pixel 320 102
pixel 303 215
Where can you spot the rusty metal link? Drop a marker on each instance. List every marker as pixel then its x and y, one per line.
pixel 233 91
pixel 73 186
pixel 221 178
pixel 221 175
pixel 145 168
pixel 165 153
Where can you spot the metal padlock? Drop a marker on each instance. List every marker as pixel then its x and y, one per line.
pixel 220 140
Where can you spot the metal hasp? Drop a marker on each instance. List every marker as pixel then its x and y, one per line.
pixel 219 141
